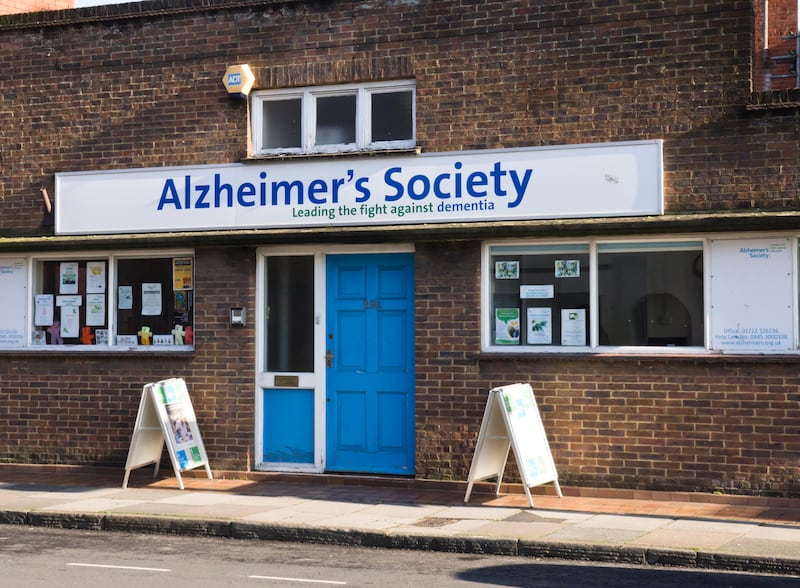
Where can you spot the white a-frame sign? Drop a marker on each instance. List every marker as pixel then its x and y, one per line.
pixel 512 420
pixel 166 414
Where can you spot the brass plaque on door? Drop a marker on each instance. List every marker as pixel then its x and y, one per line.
pixel 287 381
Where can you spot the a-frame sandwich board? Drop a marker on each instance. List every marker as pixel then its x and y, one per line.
pixel 166 417
pixel 512 421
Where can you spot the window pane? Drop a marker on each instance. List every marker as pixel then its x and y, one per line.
pixel 71 303
pixel 282 124
pixel 541 299
pixel 651 298
pixel 290 314
pixel 336 120
pixel 392 116
pixel 148 302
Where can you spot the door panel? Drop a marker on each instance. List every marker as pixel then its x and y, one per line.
pixel 352 407
pixel 288 426
pixel 391 415
pixel 370 374
pixel 352 350
pixel 392 342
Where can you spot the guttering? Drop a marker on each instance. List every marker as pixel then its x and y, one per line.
pixel 466 231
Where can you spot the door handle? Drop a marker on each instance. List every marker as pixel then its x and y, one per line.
pixel 329 358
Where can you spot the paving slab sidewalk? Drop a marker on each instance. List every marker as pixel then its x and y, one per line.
pixel 753 534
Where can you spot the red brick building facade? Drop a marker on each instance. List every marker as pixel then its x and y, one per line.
pixel 112 89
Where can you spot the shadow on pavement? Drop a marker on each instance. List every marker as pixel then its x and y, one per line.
pixel 588 575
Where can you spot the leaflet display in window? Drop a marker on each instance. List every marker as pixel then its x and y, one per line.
pixel 69 302
pixel 530 291
pixel 151 309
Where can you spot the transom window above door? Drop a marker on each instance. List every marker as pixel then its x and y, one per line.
pixel 333 119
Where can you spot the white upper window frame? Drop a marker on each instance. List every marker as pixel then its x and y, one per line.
pixel 308 97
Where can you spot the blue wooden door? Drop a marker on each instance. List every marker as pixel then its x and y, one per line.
pixel 370 373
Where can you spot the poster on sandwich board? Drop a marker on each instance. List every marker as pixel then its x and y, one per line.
pixel 512 421
pixel 166 417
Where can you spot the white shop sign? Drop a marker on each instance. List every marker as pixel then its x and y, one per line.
pixel 600 180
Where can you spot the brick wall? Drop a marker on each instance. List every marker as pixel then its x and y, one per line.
pixel 559 74
pixel 19 6
pixel 81 409
pixel 668 423
pixel 115 89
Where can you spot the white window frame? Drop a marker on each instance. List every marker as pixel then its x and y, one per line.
pixel 487 318
pixel 111 259
pixel 308 97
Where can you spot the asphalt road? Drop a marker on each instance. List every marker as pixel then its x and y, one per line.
pixel 65 558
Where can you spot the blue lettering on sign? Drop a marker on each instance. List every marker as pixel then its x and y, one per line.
pixel 234 79
pixel 494 184
pixel 458 184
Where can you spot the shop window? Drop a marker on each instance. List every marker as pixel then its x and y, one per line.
pixel 108 302
pixel 334 119
pixel 540 295
pixel 155 301
pixel 588 295
pixel 651 294
pixel 71 302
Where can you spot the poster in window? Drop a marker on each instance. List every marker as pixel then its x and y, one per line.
pixel 182 273
pixel 125 298
pixel 536 291
pixel 70 321
pixel 151 299
pixel 540 326
pixel 95 310
pixel 506 270
pixel 573 326
pixel 13 312
pixel 568 268
pixel 507 327
pixel 101 336
pixel 68 278
pixel 69 300
pixel 752 295
pixel 96 277
pixel 43 309
pixel 181 301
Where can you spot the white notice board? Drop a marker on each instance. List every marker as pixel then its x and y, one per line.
pixel 512 421
pixel 752 295
pixel 13 311
pixel 166 417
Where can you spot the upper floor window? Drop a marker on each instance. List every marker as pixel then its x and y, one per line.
pixel 777 45
pixel 332 119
